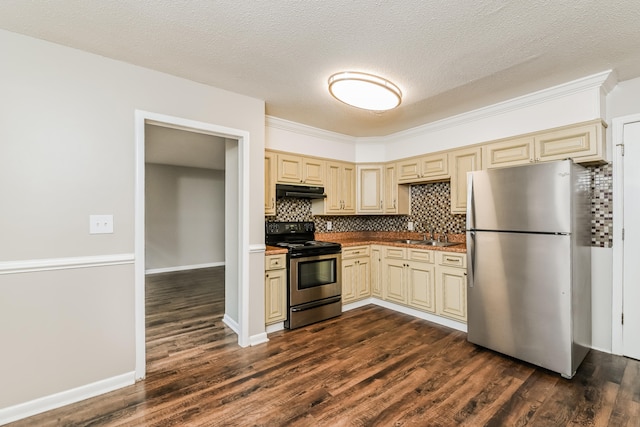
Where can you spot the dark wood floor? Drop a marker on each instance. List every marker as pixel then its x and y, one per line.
pixel 369 367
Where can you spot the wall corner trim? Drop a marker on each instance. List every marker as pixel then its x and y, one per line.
pixel 57 400
pixel 276 123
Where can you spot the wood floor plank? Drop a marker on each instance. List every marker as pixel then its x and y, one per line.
pixel 369 367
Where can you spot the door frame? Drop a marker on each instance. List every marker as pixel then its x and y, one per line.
pixel 617 130
pixel 239 260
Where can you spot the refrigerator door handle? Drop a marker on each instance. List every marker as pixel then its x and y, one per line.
pixel 471 220
pixel 472 257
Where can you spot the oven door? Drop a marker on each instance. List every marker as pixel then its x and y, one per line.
pixel 314 278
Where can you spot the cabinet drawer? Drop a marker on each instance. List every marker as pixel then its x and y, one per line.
pixel 421 255
pixel 355 251
pixel 275 262
pixel 398 253
pixel 452 259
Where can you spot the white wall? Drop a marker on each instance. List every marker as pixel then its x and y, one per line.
pixel 184 217
pixel 67 132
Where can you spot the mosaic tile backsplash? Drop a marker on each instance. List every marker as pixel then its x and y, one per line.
pixel 431 208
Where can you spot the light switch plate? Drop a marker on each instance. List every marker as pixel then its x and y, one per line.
pixel 329 225
pixel 410 225
pixel 100 224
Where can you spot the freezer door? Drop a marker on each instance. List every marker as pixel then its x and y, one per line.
pixel 519 297
pixel 532 198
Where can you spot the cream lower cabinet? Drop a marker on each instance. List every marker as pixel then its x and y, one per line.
pixel 408 278
pixel 275 292
pixel 376 271
pixel 451 285
pixel 356 274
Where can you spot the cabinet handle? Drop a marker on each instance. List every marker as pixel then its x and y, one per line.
pixel 394 203
pixel 273 202
pixel 267 275
pixel 451 259
pixel 380 204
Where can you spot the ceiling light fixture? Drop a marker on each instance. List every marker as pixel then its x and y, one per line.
pixel 364 91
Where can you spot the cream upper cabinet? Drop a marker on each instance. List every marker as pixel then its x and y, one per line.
pixel 396 198
pixel 432 167
pixel 294 169
pixel 462 161
pixel 508 153
pixel 275 289
pixel 356 274
pixel 369 191
pixel 269 183
pixel 582 143
pixel 340 187
pixel 451 285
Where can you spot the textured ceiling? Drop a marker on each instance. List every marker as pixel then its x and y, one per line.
pixel 447 56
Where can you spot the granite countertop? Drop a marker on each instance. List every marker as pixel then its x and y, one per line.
pixel 357 238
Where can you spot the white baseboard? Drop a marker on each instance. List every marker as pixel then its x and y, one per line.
pixel 260 338
pixel 183 268
pixel 57 400
pixel 275 327
pixel 459 326
pixel 235 327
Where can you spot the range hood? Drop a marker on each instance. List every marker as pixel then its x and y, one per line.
pixel 300 191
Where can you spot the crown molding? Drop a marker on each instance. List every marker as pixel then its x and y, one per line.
pixel 277 123
pixel 605 80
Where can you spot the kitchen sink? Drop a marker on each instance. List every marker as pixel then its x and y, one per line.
pixel 428 243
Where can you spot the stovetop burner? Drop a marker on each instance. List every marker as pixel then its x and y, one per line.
pixel 298 238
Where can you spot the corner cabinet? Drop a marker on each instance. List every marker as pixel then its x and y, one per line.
pixel 269 183
pixel 378 192
pixel 356 274
pixel 370 189
pixel 462 161
pixel 275 289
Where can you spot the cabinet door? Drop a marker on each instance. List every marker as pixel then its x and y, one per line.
pixel 575 142
pixel 508 153
pixel 462 161
pixel 313 171
pixel 269 183
pixel 435 166
pixel 408 170
pixel 333 184
pixel 452 293
pixel 420 281
pixel 369 189
pixel 349 280
pixel 289 169
pixel 395 286
pixel 348 188
pixel 363 285
pixel 275 296
pixel 376 271
pixel 396 197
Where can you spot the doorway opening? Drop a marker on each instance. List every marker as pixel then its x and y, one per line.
pixel 235 224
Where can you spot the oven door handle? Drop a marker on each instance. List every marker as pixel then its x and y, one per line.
pixel 314 304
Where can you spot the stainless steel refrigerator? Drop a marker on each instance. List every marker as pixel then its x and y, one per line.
pixel 529 263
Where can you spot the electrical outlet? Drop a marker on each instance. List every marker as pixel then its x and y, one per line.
pixel 329 225
pixel 410 225
pixel 100 224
